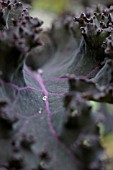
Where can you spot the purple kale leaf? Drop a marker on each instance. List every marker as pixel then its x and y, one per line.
pixel 46 121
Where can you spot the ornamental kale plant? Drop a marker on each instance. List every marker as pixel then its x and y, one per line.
pixel 46 82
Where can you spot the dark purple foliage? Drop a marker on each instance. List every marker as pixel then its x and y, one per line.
pixel 46 121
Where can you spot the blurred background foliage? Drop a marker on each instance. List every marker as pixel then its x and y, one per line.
pixel 58 6
pixel 52 5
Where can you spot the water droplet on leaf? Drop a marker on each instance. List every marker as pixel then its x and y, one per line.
pixel 40 111
pixel 44 98
pixel 40 71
